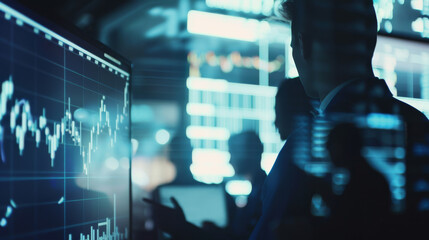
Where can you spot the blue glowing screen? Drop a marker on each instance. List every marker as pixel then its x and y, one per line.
pixel 64 133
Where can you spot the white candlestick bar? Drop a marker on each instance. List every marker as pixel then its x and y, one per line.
pixel 54 137
pixel 108 234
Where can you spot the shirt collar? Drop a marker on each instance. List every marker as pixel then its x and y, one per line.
pixel 327 100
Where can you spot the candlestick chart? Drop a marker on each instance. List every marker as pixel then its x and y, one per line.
pixel 64 133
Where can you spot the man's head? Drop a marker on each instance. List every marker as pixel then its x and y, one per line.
pixel 246 151
pixel 180 152
pixel 332 41
pixel 291 102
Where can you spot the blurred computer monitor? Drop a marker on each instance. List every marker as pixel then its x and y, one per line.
pixel 200 203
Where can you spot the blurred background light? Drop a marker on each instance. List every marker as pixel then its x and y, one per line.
pixel 224 26
pixel 238 187
pixel 112 163
pixel 134 145
pixel 162 136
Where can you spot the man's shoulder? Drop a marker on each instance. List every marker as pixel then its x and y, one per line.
pixel 409 113
pixel 362 97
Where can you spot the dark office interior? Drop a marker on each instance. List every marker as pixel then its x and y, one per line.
pixel 214 119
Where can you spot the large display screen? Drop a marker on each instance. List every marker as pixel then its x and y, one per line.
pixel 403 17
pixel 64 133
pixel 404 65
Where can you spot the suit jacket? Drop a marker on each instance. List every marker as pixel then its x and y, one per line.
pixel 288 189
pixel 372 96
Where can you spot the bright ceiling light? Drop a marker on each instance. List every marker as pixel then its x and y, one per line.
pixel 223 26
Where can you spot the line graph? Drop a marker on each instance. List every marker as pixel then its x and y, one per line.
pixel 64 133
pixel 22 122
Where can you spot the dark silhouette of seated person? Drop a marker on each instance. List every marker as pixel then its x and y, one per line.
pixel 363 208
pixel 291 103
pixel 180 154
pixel 246 152
pixel 333 42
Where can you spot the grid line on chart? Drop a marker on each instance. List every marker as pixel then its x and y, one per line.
pixel 61 66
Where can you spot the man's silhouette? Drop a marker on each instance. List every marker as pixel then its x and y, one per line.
pixel 291 102
pixel 246 152
pixel 180 154
pixel 333 42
